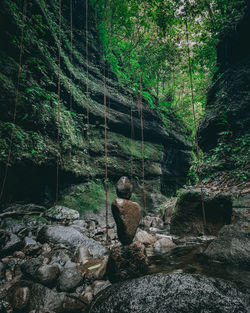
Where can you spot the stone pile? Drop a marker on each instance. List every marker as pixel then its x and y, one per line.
pixel 126 213
pixel 129 260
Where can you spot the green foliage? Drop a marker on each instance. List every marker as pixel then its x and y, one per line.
pixel 146 41
pixel 39 219
pixel 233 152
pixel 90 196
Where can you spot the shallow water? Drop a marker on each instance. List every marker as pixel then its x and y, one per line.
pixel 188 257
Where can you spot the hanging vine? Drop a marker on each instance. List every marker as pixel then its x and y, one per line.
pixel 87 71
pixel 142 144
pixel 131 142
pixel 71 61
pixel 106 154
pixel 58 101
pixel 16 98
pixel 195 128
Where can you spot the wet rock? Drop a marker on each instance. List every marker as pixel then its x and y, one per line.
pixel 82 255
pixel 232 245
pixel 14 225
pixel 46 299
pixel 9 242
pixel 8 275
pixel 46 274
pixel 70 237
pixel 152 221
pixel 29 241
pixel 19 254
pixel 124 188
pixel 188 219
pixel 88 289
pixel 5 260
pixel 43 299
pixel 99 217
pixel 32 250
pixel 145 238
pixel 88 297
pixel 61 257
pixel 3 307
pixel 20 297
pixel 127 262
pixel 2 270
pixel 112 234
pixel 61 213
pixel 91 226
pixel 174 293
pixel 30 267
pixel 70 277
pixel 164 245
pixel 100 286
pixel 168 211
pixel 157 222
pixel 154 202
pixel 46 248
pixel 127 217
pixel 80 225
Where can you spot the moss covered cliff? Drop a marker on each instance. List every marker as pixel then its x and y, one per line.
pixel 36 147
pixel 225 131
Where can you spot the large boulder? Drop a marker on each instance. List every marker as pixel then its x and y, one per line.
pixel 127 217
pixel 70 237
pixel 176 293
pixel 232 245
pixel 127 262
pixel 124 188
pixel 187 218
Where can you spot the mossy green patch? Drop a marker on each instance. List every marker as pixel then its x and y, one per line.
pixel 134 148
pixel 89 196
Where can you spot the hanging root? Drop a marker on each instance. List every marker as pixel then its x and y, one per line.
pixel 16 98
pixel 195 128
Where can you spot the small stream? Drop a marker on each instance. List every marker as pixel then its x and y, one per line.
pixel 187 257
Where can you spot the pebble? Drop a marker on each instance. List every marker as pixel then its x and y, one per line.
pixel 8 275
pixel 82 255
pixel 5 260
pixel 46 248
pixel 88 297
pixel 19 254
pixel 46 260
pixel 87 289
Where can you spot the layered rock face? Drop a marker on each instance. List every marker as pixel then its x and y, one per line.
pixel 227 119
pixel 35 148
